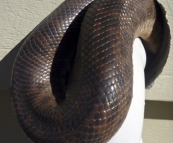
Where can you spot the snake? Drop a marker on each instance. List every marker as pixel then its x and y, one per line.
pixel 72 79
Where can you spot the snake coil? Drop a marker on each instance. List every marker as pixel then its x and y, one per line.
pixel 64 94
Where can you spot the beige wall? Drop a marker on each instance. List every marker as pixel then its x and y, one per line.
pixel 18 18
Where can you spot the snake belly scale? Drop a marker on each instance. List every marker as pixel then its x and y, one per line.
pixel 64 94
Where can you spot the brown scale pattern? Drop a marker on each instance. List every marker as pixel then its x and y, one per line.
pixel 64 95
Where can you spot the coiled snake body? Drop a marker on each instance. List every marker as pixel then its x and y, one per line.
pixel 64 95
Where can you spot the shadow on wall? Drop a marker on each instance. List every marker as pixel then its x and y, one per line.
pixel 6 65
pixel 10 130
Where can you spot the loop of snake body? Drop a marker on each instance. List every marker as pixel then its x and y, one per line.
pixel 73 76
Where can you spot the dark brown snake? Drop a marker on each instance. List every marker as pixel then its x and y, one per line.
pixel 64 94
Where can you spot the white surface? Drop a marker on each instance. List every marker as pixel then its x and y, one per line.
pixel 131 130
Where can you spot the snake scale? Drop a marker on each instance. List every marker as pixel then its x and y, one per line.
pixel 73 76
